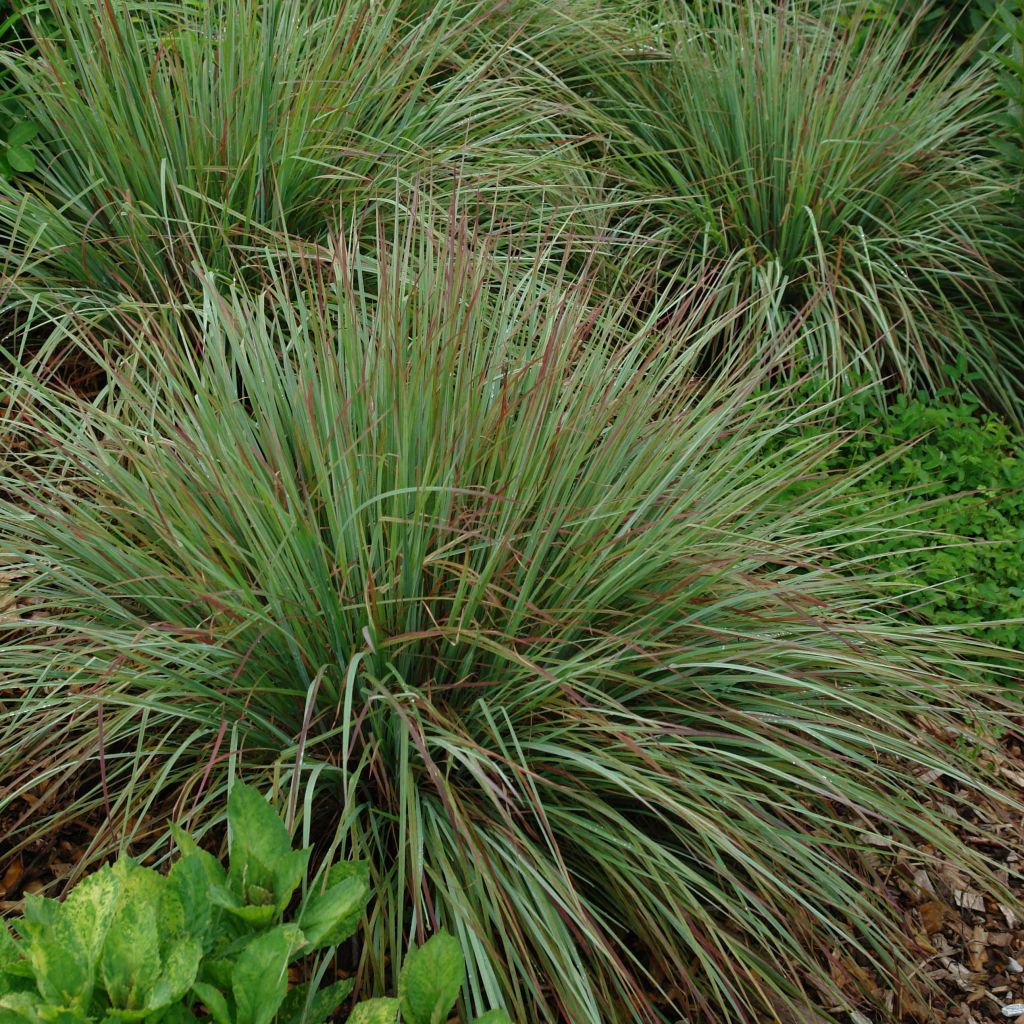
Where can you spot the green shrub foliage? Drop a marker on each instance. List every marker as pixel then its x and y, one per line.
pixel 952 476
pixel 1011 82
pixel 17 132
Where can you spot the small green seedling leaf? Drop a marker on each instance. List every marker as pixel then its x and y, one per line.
pixel 21 159
pixel 431 980
pixel 374 1011
pixel 333 917
pixel 22 132
pixel 494 1017
pixel 259 980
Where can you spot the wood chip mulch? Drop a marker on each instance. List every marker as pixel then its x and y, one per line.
pixel 971 945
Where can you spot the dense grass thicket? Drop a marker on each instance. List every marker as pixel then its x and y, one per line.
pixel 566 454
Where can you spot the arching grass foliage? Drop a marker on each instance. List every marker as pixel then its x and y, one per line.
pixel 473 568
pixel 850 165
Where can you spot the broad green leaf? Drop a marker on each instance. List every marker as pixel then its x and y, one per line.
pixel 257 839
pixel 217 970
pixel 343 869
pixel 10 952
pixel 213 868
pixel 19 1008
pixel 214 1001
pixel 337 874
pixel 263 869
pixel 189 880
pixel 180 967
pixel 289 871
pixel 89 908
pixel 259 980
pixel 130 963
pixel 431 980
pixel 21 159
pixel 334 916
pixel 374 1011
pixel 322 1003
pixel 63 941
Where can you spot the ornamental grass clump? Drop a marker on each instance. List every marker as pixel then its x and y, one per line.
pixel 190 137
pixel 851 165
pixel 488 579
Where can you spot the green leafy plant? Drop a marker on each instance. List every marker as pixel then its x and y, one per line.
pixel 486 575
pixel 855 182
pixel 954 22
pixel 1011 80
pixel 16 132
pixel 16 135
pixel 954 478
pixel 129 944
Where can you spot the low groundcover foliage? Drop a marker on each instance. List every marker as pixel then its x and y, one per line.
pixel 129 944
pixel 496 585
pixel 954 476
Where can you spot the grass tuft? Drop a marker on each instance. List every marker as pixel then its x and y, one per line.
pixel 473 568
pixel 849 164
pixel 177 139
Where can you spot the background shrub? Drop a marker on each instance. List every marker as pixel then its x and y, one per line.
pixel 1011 83
pixel 854 182
pixel 954 475
pixel 17 132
